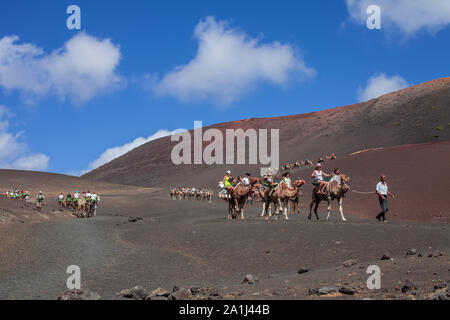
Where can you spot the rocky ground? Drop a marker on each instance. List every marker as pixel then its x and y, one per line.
pixel 188 250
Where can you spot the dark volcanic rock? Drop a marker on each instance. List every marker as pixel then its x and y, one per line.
pixel 313 292
pixel 327 290
pixel 136 293
pixel 435 254
pixel 303 270
pixel 158 294
pixel 411 252
pixel 79 295
pixel 249 279
pixel 205 293
pixel 350 263
pixel 386 256
pixel 347 290
pixel 134 219
pixel 180 294
pixel 408 286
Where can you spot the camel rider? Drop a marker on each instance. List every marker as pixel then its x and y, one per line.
pixel 60 198
pixel 76 197
pixel 94 198
pixel 319 178
pixel 228 181
pixel 88 196
pixel 40 199
pixel 69 198
pixel 268 182
pixel 246 179
pixel 287 180
pixel 337 177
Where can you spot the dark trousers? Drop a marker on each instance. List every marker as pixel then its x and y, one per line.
pixel 384 204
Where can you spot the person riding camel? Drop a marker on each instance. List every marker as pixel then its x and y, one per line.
pixel 318 179
pixel 228 180
pixel 269 183
pixel 287 180
pixel 76 196
pixel 337 177
pixel 246 179
pixel 68 199
pixel 60 198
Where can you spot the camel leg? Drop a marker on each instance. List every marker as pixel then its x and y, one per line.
pixel 280 209
pixel 341 210
pixel 263 213
pixel 329 209
pixel 242 214
pixel 286 212
pixel 310 209
pixel 316 208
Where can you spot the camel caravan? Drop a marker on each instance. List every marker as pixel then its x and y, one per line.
pixel 283 195
pixel 307 163
pixel 17 194
pixel 204 195
pixel 84 205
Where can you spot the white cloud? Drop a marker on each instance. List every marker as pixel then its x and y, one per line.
pixel 115 152
pixel 407 16
pixel 14 153
pixel 381 84
pixel 83 68
pixel 33 162
pixel 228 64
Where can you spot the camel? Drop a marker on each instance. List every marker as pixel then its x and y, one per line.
pixel 239 195
pixel 210 195
pixel 81 208
pixel 294 204
pixel 262 196
pixel 335 191
pixel 279 196
pixel 172 194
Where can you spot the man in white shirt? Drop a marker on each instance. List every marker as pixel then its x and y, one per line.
pixel 246 180
pixel 383 193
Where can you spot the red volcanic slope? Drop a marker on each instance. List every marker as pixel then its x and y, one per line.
pixel 419 114
pixel 419 176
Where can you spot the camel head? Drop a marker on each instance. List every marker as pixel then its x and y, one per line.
pixel 344 178
pixel 299 183
pixel 253 181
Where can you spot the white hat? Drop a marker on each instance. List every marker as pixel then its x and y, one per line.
pixel 228 171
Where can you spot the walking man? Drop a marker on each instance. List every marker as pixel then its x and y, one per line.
pixel 39 201
pixel 383 194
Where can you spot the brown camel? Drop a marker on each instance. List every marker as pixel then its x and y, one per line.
pixel 81 208
pixel 294 203
pixel 335 191
pixel 239 195
pixel 279 197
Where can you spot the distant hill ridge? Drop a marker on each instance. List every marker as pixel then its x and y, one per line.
pixel 419 114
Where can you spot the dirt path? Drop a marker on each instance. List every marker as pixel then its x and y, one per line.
pixel 188 243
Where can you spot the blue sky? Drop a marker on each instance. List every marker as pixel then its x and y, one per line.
pixel 290 57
